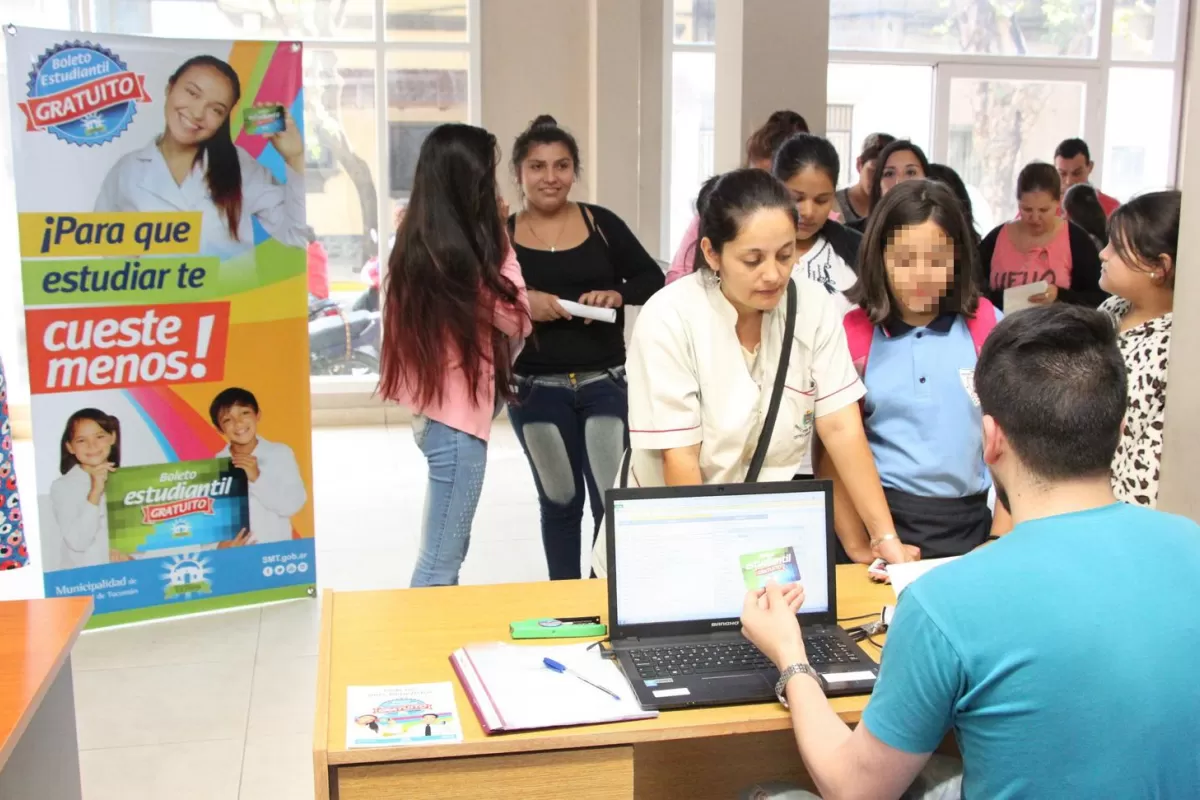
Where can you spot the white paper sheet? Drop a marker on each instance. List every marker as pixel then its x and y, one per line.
pixel 1016 298
pixel 589 312
pixel 904 574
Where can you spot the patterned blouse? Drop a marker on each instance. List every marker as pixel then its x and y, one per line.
pixel 1136 465
pixel 13 552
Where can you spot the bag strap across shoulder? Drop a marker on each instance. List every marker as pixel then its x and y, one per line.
pixel 764 437
pixel 785 357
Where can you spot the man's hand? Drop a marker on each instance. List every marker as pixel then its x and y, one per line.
pixel 249 464
pixel 602 298
pixel 241 540
pixel 544 307
pixel 769 622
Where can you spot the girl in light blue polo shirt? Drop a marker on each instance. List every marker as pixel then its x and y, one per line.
pixel 915 337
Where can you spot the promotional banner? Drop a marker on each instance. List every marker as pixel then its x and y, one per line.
pixel 160 190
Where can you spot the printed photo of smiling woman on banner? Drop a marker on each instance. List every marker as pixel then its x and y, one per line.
pixel 160 190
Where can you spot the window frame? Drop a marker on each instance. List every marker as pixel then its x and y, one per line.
pixel 1095 70
pixel 670 48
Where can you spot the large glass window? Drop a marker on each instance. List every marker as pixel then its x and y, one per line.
pixel 1137 138
pixel 877 98
pixel 1011 80
pixel 1145 30
pixel 1058 28
pixel 692 130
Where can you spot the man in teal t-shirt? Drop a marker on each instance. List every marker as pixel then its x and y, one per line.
pixel 1064 656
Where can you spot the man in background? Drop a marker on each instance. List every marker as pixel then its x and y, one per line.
pixel 1073 160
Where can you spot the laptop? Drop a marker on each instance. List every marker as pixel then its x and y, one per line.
pixel 680 561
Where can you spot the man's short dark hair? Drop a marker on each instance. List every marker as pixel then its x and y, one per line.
pixel 227 399
pixel 1070 148
pixel 1054 381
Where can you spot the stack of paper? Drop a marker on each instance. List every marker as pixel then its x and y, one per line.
pixel 511 689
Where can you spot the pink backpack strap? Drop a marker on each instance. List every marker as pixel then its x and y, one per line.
pixel 979 326
pixel 859 332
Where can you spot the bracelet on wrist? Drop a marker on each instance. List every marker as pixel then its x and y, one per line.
pixel 880 540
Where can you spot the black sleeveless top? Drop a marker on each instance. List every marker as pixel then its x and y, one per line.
pixel 562 345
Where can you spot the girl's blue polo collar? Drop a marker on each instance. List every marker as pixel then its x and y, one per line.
pixel 897 327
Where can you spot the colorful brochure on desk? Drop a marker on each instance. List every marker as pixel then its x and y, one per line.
pixel 512 689
pixel 389 716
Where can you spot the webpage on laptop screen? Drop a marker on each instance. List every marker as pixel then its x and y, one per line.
pixel 694 558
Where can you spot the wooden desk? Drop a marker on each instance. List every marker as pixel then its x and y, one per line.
pixel 39 751
pixel 373 638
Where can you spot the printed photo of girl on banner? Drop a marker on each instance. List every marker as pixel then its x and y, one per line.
pixel 160 191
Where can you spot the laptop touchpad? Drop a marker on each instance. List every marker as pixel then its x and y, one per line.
pixel 748 684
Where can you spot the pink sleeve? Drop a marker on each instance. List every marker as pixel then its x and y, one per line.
pixel 684 261
pixel 510 320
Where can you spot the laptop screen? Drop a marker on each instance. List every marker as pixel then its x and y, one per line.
pixel 693 558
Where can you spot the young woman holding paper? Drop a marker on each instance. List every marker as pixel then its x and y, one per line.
pixel 570 406
pixel 1040 247
pixel 707 349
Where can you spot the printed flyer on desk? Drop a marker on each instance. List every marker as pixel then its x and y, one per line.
pixel 160 191
pixel 390 716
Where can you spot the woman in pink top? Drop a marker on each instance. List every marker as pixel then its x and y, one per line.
pixel 456 314
pixel 1039 245
pixel 760 152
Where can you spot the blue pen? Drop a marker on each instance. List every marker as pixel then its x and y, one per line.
pixel 563 668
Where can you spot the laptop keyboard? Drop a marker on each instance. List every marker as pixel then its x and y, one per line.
pixel 699 659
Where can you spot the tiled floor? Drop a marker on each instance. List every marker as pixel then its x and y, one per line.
pixel 220 707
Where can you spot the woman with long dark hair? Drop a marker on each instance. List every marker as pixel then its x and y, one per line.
pixel 571 408
pixel 455 313
pixel 193 165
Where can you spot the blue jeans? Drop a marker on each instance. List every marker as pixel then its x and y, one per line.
pixel 573 431
pixel 456 464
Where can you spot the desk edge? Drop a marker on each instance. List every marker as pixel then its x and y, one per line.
pixel 575 738
pixel 7 746
pixel 321 720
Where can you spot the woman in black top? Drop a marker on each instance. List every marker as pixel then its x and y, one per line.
pixel 571 408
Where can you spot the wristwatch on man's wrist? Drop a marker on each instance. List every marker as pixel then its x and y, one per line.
pixel 791 672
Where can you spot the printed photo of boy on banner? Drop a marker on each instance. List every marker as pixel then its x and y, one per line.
pixel 160 190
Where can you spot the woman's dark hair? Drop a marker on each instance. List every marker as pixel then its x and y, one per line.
pixel 1145 229
pixel 803 151
pixel 444 276
pixel 779 127
pixel 107 423
pixel 1082 207
pixel 543 130
pixel 873 145
pixel 726 200
pixel 898 146
pixel 947 176
pixel 914 203
pixel 1038 176
pixel 224 173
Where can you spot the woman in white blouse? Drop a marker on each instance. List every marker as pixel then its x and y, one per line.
pixel 705 351
pixel 1138 268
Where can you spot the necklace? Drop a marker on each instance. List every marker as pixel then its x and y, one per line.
pixel 553 247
